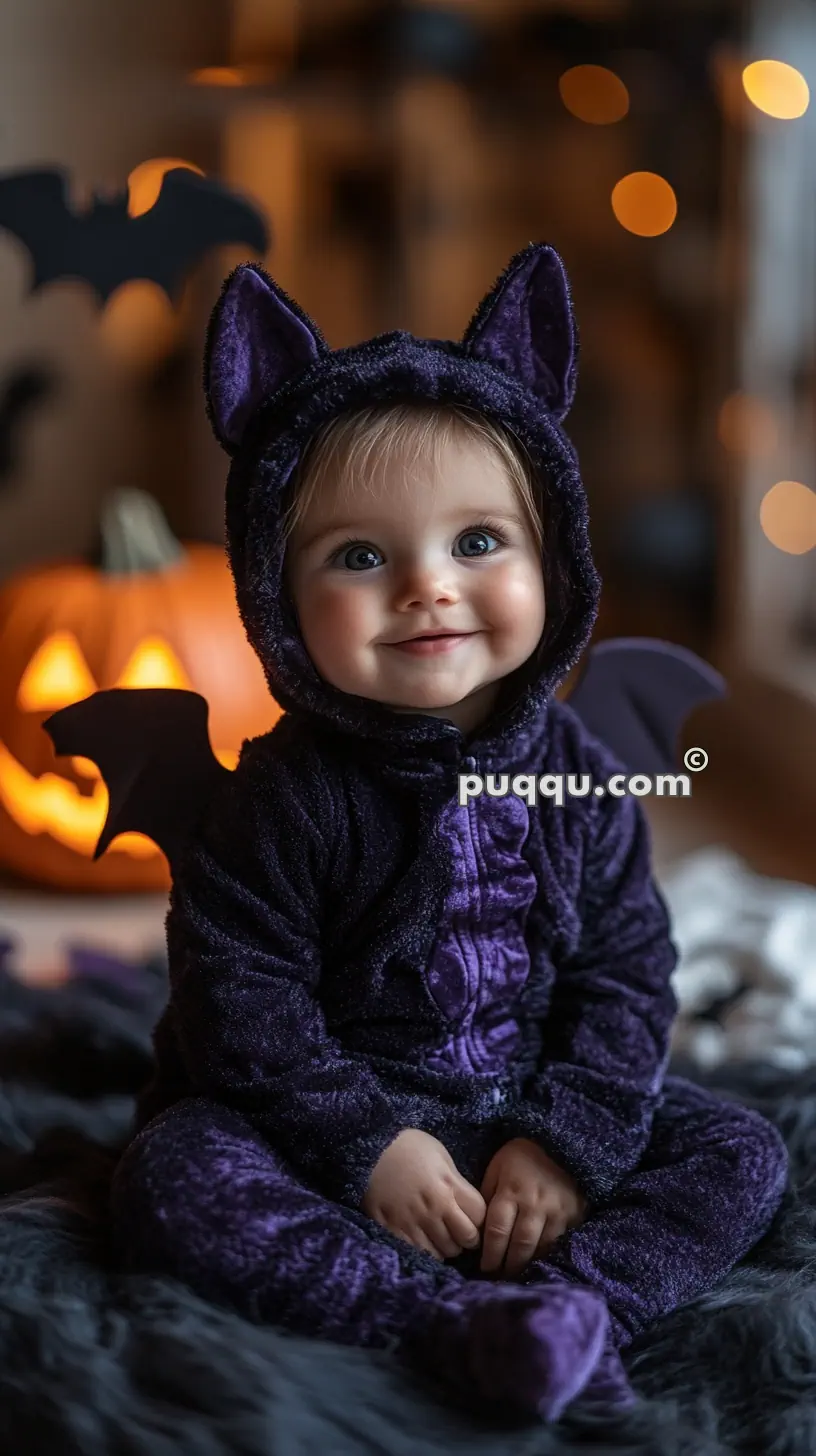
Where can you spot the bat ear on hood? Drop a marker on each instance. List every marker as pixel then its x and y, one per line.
pixel 525 324
pixel 258 338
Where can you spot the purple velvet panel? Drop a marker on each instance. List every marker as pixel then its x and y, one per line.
pixel 480 961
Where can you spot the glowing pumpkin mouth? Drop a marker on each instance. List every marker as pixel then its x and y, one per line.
pixel 51 805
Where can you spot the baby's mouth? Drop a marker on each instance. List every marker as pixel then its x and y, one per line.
pixel 429 646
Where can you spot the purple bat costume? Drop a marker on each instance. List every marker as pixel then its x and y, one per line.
pixel 352 953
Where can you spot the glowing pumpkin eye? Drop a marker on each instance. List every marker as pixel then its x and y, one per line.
pixel 56 676
pixel 153 665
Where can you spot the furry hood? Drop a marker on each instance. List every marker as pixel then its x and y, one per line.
pixel 271 381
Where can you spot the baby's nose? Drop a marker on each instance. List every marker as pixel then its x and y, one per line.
pixel 425 585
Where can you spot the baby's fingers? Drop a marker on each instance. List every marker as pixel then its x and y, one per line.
pixel 441 1238
pixel 470 1201
pixel 525 1242
pixel 461 1228
pixel 498 1227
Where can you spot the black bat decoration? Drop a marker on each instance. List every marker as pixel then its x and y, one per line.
pixel 152 748
pixel 26 387
pixel 105 247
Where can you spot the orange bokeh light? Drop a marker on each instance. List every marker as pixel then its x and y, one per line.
pixel 594 94
pixel 232 76
pixel 787 515
pixel 777 89
pixel 144 182
pixel 644 203
pixel 217 76
pixel 138 324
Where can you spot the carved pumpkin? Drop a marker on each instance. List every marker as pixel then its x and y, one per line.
pixel 151 614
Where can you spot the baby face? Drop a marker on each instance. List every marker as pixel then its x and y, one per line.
pixel 391 558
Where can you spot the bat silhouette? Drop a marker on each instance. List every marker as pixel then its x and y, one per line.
pixel 152 747
pixel 105 247
pixel 26 387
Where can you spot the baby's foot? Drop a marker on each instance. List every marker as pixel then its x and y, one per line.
pixel 531 1351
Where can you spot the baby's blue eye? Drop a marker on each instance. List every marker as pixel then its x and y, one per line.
pixel 355 557
pixel 478 536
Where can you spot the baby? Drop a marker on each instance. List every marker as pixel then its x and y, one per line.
pixel 414 563
pixel 411 1084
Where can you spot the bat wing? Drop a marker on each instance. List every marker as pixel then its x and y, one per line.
pixel 636 693
pixel 152 748
pixel 34 207
pixel 191 215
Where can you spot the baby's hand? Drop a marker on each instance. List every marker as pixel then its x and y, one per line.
pixel 531 1202
pixel 417 1192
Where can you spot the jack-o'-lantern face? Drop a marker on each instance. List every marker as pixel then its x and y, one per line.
pixel 57 676
pixel 52 811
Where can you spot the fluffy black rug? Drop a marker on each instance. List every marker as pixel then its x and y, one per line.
pixel 96 1364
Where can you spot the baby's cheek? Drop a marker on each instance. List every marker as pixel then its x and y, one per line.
pixel 518 601
pixel 334 622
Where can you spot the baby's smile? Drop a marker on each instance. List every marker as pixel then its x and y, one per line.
pixel 431 646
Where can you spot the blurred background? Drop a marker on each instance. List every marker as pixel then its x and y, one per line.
pixel 399 154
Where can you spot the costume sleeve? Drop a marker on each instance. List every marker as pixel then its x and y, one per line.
pixel 244 939
pixel 606 1037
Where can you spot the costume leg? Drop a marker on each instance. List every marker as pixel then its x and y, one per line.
pixel 200 1195
pixel 705 1192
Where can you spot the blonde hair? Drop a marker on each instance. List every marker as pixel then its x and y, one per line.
pixel 412 431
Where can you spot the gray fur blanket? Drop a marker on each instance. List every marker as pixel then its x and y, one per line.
pixel 93 1363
